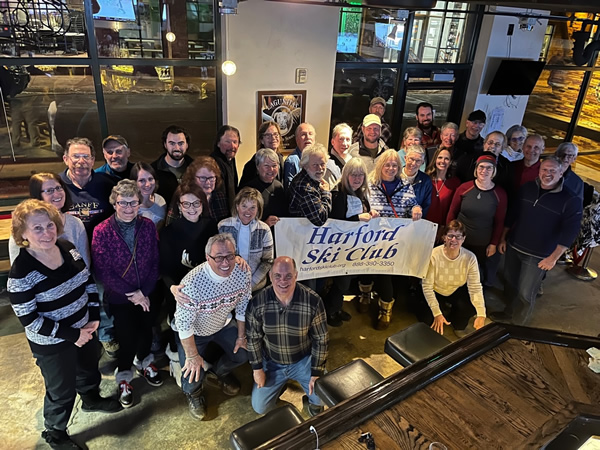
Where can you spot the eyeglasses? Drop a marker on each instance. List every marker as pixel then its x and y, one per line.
pixel 272 135
pixel 458 237
pixel 485 168
pixel 220 259
pixel 495 144
pixel 569 156
pixel 517 139
pixel 124 204
pixel 51 191
pixel 205 179
pixel 78 157
pixel 188 205
pixel 414 160
pixel 390 166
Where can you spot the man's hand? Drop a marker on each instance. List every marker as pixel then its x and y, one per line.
pixel 479 322
pixel 438 323
pixel 192 368
pixel 325 185
pixel 490 250
pixel 242 263
pixel 259 377
pixel 502 247
pixel 91 326
pixel 180 297
pixel 311 385
pixel 547 263
pixel 85 336
pixel 271 220
pixel 240 343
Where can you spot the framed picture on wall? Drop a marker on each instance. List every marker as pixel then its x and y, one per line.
pixel 287 108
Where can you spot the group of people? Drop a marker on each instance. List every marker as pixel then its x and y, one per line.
pixel 108 249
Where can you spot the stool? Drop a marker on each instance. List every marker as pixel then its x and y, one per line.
pixel 414 343
pixel 346 381
pixel 266 428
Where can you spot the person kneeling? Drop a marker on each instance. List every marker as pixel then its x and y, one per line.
pixel 453 279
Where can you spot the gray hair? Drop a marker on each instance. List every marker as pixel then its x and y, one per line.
pixel 412 131
pixel 447 125
pixel 125 188
pixel 499 133
pixel 515 128
pixel 562 148
pixel 223 237
pixel 339 128
pixel 553 159
pixel 314 149
pixel 414 149
pixel 265 153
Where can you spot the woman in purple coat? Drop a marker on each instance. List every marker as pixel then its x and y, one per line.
pixel 125 261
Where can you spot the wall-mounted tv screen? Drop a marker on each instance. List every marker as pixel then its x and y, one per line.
pixel 121 10
pixel 516 77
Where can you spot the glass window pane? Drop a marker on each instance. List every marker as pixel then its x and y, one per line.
pixel 551 104
pixel 47 105
pixel 370 35
pixel 353 90
pixel 141 101
pixel 441 36
pixel 38 29
pixel 587 133
pixel 439 98
pixel 559 51
pixel 153 29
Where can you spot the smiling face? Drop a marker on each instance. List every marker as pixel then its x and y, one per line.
pixel 176 146
pixel 473 128
pixel 224 250
pixel 453 239
pixel 79 160
pixel 146 183
pixel 127 208
pixel 206 179
pixel 448 137
pixel 271 138
pixel 443 160
pixel 372 133
pixel 413 162
pixel 493 143
pixel 356 180
pixel 116 155
pixel 247 211
pixel 390 170
pixel 316 166
pixel 190 207
pixel 229 144
pixel 268 170
pixel 40 231
pixel 283 275
pixel 425 117
pixel 341 142
pixel 550 174
pixel 57 197
pixel 377 109
pixel 532 149
pixel 411 140
pixel 516 141
pixel 485 171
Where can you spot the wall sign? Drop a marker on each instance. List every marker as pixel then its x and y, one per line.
pixel 287 108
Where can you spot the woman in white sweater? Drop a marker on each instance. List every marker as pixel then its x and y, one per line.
pixel 453 279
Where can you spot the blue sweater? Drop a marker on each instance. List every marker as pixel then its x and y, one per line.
pixel 423 187
pixel 540 221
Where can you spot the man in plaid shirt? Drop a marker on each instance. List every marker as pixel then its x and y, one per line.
pixel 286 327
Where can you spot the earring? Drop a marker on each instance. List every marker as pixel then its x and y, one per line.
pixel 25 243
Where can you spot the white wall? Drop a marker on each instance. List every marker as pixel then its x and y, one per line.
pixel 502 111
pixel 268 41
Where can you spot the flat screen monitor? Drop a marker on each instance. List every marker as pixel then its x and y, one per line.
pixel 121 10
pixel 516 77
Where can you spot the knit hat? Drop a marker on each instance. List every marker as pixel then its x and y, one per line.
pixel 370 119
pixel 379 100
pixel 486 158
pixel 477 115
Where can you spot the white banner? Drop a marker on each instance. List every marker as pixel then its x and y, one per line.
pixel 340 247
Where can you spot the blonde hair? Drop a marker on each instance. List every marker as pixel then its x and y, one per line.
pixel 384 158
pixel 25 210
pixel 248 194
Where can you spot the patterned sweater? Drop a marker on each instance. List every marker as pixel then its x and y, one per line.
pixel 214 298
pixel 403 198
pixel 52 304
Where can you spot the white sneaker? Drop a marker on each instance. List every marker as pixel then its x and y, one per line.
pixel 175 371
pixel 173 356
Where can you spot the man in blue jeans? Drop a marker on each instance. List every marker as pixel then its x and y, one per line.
pixel 542 223
pixel 286 326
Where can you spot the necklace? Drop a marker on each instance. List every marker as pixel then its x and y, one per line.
pixel 437 191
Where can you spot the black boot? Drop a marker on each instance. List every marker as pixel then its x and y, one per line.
pixel 92 402
pixel 197 404
pixel 59 440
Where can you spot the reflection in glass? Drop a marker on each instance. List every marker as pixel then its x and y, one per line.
pixel 353 90
pixel 558 42
pixel 46 105
pixel 551 104
pixel 38 29
pixel 141 101
pixel 439 98
pixel 587 133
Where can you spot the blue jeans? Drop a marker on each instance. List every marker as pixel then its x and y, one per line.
pixel 225 338
pixel 106 329
pixel 522 279
pixel 264 399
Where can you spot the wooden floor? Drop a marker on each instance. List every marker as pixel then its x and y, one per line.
pixel 500 400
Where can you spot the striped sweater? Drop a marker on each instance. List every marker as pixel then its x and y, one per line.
pixel 51 304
